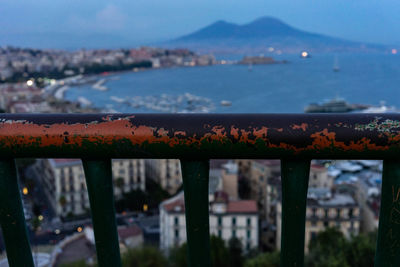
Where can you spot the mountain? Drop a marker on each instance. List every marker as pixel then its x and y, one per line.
pixel 262 35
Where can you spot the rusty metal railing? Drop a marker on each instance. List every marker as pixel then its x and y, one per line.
pixel 295 139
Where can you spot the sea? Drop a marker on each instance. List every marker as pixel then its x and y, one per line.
pixel 277 88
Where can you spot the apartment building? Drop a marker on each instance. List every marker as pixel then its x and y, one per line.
pixel 65 186
pixel 325 209
pixel 228 219
pixel 166 172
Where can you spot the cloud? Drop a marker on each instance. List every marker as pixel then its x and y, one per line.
pixel 110 18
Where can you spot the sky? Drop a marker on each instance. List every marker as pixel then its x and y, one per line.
pixel 88 23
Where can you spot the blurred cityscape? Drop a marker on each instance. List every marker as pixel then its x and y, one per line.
pixel 245 196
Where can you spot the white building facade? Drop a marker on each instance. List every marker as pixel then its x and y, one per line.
pixel 228 219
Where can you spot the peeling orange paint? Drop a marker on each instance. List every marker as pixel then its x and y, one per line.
pixel 109 131
pixel 303 126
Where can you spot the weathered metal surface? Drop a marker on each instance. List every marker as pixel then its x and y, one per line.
pixel 201 136
pixel 101 197
pixel 388 245
pixel 195 175
pixel 295 175
pixel 12 217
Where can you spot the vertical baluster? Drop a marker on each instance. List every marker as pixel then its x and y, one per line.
pixel 12 217
pixel 99 182
pixel 195 184
pixel 295 174
pixel 388 245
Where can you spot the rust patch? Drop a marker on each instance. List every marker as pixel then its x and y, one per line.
pixel 302 126
pixel 108 131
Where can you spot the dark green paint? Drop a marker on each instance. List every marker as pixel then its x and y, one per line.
pixel 195 184
pixel 388 245
pixel 295 175
pixel 101 196
pixel 12 217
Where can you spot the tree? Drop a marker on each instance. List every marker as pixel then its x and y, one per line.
pixel 244 188
pixel 328 250
pixel 80 263
pixel 235 252
pixel 178 256
pixel 361 250
pixel 264 260
pixel 63 201
pixel 144 257
pixel 219 252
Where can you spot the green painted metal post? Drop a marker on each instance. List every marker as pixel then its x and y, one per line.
pixel 388 244
pixel 12 217
pixel 195 184
pixel 101 196
pixel 295 175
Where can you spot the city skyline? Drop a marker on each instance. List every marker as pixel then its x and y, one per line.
pixel 73 24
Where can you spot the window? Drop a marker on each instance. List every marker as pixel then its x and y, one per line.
pixel 233 233
pixel 350 213
pixel 313 235
pixel 326 223
pixel 219 233
pixel 326 213
pixel 176 221
pixel 219 221
pixel 248 221
pixel 338 213
pixel 234 221
pixel 176 233
pixel 248 234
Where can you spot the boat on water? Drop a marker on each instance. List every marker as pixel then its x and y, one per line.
pixel 118 99
pixel 226 103
pixel 336 67
pixel 99 85
pixel 84 101
pixel 382 108
pixel 336 105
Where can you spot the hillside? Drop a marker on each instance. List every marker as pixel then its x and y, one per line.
pixel 261 34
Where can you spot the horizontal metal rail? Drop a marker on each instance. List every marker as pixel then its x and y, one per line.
pixel 193 136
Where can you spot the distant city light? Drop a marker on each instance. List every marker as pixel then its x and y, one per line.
pixel 145 207
pixel 79 229
pixel 25 191
pixel 271 49
pixel 57 231
pixel 29 82
pixel 40 217
pixel 304 54
pixel 394 51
